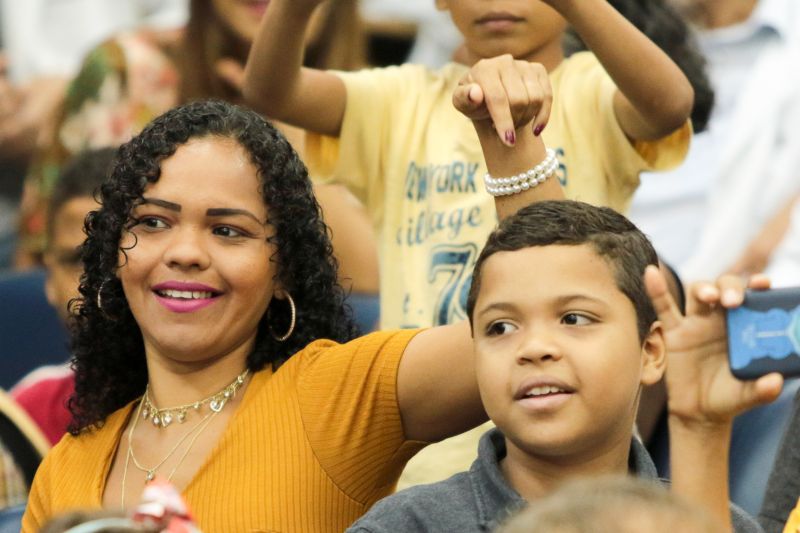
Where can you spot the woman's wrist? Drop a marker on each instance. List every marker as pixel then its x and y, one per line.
pixel 501 160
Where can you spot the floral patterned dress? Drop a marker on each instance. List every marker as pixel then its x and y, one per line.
pixel 123 84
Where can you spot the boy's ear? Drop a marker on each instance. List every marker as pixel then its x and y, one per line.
pixel 50 290
pixel 654 355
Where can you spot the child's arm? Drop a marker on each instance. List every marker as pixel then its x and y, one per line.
pixel 654 96
pixel 277 84
pixel 438 363
pixel 703 396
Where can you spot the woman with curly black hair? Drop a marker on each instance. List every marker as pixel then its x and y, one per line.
pixel 208 284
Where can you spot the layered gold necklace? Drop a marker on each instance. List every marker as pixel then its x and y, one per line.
pixel 165 416
pixel 162 418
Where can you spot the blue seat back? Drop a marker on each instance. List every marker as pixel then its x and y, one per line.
pixel 31 334
pixel 11 519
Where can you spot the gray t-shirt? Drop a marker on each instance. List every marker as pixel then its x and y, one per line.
pixel 481 499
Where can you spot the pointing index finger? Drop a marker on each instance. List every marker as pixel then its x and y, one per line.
pixel 668 313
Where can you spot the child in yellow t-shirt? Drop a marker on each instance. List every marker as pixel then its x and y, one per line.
pixel 392 136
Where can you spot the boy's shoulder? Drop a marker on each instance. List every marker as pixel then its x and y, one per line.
pixel 475 500
pixel 444 506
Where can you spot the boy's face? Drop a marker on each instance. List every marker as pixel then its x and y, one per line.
pixel 496 27
pixel 558 356
pixel 62 258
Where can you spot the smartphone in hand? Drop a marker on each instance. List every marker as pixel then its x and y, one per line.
pixel 764 334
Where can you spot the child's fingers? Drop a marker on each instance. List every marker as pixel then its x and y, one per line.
pixel 668 313
pixel 731 290
pixel 538 73
pixel 759 282
pixel 761 391
pixel 769 387
pixel 701 298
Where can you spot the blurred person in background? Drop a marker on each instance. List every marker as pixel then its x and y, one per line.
pixel 137 75
pixel 711 216
pixel 42 43
pixel 436 39
pixel 44 392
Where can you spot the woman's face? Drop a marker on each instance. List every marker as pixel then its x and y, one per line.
pixel 244 16
pixel 198 276
pixel 241 16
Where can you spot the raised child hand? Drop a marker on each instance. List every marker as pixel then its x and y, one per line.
pixel 506 94
pixel 700 386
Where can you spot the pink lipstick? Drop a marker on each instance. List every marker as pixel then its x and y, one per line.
pixel 185 297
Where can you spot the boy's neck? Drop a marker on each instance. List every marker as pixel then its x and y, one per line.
pixel 550 56
pixel 534 477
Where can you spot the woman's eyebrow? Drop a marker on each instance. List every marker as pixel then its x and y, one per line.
pixel 227 211
pixel 162 203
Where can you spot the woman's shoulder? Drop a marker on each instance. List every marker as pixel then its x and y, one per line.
pixel 390 341
pixel 92 442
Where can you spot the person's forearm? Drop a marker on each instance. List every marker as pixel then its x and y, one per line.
pixel 647 78
pixel 503 161
pixel 699 465
pixel 274 66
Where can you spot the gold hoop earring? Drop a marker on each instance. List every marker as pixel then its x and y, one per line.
pixel 100 296
pixel 99 300
pixel 292 321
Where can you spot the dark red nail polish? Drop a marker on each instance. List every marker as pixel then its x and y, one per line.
pixel 538 130
pixel 511 137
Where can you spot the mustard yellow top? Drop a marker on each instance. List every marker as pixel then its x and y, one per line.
pixel 311 447
pixel 793 524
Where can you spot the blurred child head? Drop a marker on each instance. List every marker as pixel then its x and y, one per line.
pixel 225 29
pixel 564 332
pixel 524 28
pixel 73 198
pixel 669 30
pixel 619 504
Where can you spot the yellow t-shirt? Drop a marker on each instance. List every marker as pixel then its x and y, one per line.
pixel 417 165
pixel 311 447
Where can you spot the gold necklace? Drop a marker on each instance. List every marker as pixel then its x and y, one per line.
pixel 150 472
pixel 165 416
pixel 216 403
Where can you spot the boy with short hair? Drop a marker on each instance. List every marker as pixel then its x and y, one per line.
pixel 565 337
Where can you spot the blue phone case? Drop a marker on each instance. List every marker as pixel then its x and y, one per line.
pixel 764 334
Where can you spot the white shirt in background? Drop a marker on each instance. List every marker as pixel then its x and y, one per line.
pixel 682 211
pixel 437 36
pixel 51 37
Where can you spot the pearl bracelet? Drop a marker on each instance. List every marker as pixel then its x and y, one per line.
pixel 525 180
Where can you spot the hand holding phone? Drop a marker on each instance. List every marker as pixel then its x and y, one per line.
pixel 764 334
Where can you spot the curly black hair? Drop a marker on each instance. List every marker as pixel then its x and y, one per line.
pixel 108 350
pixel 671 32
